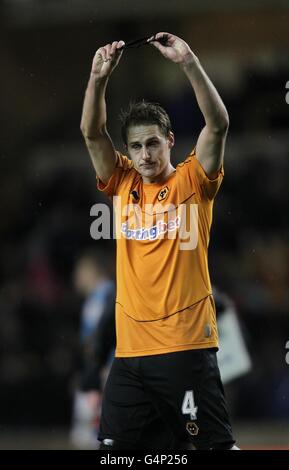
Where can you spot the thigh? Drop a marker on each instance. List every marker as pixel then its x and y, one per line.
pixel 187 390
pixel 128 414
pixel 215 431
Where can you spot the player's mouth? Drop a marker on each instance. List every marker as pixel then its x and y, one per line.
pixel 148 165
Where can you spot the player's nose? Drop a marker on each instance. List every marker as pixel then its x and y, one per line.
pixel 145 155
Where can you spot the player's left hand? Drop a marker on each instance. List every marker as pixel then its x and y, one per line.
pixel 93 399
pixel 176 49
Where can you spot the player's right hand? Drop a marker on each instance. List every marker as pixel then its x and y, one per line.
pixel 106 59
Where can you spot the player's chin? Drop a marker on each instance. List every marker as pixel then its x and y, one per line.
pixel 149 171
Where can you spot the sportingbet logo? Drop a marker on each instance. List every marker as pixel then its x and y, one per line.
pixel 154 222
pixel 156 231
pixel 287 355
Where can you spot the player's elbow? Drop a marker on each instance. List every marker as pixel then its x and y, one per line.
pixel 90 134
pixel 224 122
pixel 220 126
pixel 84 130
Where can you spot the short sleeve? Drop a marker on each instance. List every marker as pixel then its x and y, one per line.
pixel 205 187
pixel 123 167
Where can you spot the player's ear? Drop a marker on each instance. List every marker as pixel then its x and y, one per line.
pixel 171 139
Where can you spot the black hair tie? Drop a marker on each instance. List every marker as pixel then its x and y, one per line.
pixel 144 42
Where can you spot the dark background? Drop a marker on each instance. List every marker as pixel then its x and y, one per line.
pixel 47 184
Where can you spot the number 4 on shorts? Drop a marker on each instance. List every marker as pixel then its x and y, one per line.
pixel 188 406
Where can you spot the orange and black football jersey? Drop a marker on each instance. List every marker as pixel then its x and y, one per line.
pixel 164 299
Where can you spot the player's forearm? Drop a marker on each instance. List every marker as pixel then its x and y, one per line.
pixel 93 120
pixel 209 101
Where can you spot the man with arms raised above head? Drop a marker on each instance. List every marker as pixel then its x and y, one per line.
pixel 164 388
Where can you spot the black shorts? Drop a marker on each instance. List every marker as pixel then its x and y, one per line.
pixel 163 401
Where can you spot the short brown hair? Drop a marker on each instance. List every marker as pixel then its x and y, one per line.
pixel 142 113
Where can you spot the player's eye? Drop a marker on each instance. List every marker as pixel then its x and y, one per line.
pixel 153 143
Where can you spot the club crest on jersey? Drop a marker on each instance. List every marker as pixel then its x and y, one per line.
pixel 192 428
pixel 163 194
pixel 135 196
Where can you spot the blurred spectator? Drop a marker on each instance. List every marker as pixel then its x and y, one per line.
pixel 233 356
pixel 93 280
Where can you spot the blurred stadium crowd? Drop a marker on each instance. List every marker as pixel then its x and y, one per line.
pixel 47 186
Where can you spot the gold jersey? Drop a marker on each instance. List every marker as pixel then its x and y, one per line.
pixel 164 298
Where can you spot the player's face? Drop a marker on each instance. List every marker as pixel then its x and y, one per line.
pixel 150 151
